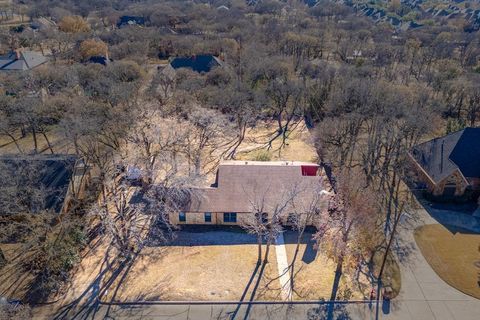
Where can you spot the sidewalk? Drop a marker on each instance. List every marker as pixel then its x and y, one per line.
pixel 282 266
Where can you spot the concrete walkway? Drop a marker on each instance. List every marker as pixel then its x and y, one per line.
pixel 282 265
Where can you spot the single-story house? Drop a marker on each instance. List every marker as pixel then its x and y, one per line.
pixel 43 23
pixel 198 63
pixel 21 60
pixel 41 182
pixel 449 165
pixel 242 187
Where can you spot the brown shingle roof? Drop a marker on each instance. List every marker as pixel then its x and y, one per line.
pixel 240 183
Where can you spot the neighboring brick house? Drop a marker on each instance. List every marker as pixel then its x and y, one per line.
pixel 449 165
pixel 240 184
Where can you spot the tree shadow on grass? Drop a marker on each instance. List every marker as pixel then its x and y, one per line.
pixel 242 298
pixel 310 252
pixel 331 305
pixel 87 304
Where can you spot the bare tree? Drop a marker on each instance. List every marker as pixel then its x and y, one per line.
pixel 207 133
pixel 346 225
pixel 307 207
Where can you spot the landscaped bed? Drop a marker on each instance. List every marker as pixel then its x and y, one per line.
pixel 454 254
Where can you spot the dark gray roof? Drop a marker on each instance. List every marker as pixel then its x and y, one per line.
pixel 23 60
pixel 199 63
pixel 41 179
pixel 460 150
pixel 130 20
pixel 100 60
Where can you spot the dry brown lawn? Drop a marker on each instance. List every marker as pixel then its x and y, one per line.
pixel 299 144
pixel 454 254
pixel 314 278
pixel 391 274
pixel 14 281
pixel 215 272
pixel 59 144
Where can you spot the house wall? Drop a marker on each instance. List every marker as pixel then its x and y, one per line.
pixel 217 219
pixel 422 175
pixel 474 183
pixel 76 188
pixel 199 218
pixel 439 189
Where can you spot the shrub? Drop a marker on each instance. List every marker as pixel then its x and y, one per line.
pixel 92 47
pixel 263 155
pixel 73 24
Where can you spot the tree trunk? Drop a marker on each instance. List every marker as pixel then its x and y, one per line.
pixel 48 142
pixel 198 165
pixel 389 245
pixel 3 260
pixel 15 142
pixel 336 283
pixel 259 239
pixel 35 142
pixel 267 250
pixel 295 255
pixel 338 274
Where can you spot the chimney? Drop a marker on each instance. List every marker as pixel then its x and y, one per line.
pixel 441 157
pixel 17 54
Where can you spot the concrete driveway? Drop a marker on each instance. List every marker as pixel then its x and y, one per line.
pixel 424 295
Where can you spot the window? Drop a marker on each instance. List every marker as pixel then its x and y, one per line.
pixel 208 217
pixel 292 218
pixel 264 217
pixel 230 217
pixel 182 217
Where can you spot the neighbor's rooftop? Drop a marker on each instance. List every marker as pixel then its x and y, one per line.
pixel 442 156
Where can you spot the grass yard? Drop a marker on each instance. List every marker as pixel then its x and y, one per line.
pixel 454 254
pixel 391 274
pixel 26 144
pixel 209 272
pixel 314 273
pixel 14 281
pixel 299 144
